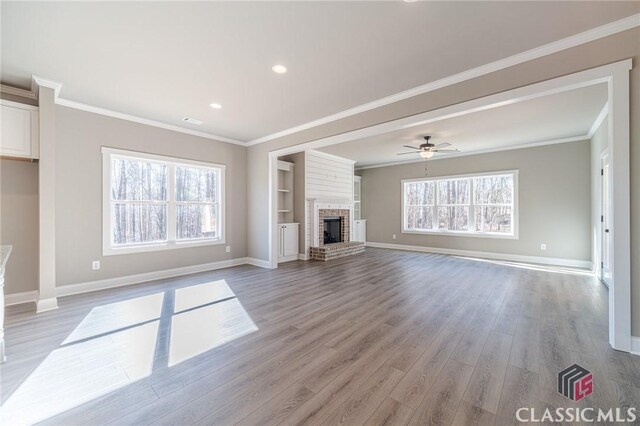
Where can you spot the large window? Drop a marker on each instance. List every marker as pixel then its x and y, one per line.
pixel 473 205
pixel 156 203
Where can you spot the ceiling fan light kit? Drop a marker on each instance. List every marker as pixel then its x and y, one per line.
pixel 428 149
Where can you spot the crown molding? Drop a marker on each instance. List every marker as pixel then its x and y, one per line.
pixel 15 91
pixel 593 34
pixel 480 151
pixel 599 119
pixel 38 82
pixel 114 114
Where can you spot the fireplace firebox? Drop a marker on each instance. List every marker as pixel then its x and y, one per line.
pixel 332 230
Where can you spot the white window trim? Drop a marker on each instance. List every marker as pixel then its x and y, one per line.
pixel 512 236
pixel 109 250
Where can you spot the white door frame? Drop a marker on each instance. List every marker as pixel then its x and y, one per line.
pixel 605 207
pixel 616 76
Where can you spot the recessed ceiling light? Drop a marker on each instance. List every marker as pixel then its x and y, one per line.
pixel 410 1
pixel 215 106
pixel 279 69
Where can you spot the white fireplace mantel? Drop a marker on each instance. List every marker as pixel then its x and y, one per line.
pixel 317 204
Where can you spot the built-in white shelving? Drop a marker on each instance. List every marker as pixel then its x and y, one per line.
pixel 285 191
pixel 359 224
pixel 287 229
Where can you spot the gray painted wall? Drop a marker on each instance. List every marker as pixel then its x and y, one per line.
pixel 79 137
pixel 554 201
pixel 19 225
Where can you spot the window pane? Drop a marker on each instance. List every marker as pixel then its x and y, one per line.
pixel 455 191
pixel 453 218
pixel 139 223
pixel 419 193
pixel 493 219
pixel 136 180
pixel 195 184
pixel 419 218
pixel 196 221
pixel 494 189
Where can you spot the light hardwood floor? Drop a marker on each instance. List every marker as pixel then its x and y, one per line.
pixel 386 337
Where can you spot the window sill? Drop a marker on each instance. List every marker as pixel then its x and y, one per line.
pixel 110 251
pixel 461 234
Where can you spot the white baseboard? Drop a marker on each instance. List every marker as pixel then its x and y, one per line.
pixel 89 286
pixel 258 262
pixel 43 305
pixel 635 345
pixel 20 298
pixel 303 257
pixel 288 258
pixel 554 261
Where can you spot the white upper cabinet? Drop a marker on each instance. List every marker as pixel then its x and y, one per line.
pixel 20 136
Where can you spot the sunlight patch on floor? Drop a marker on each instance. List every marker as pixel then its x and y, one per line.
pixel 116 316
pixel 202 329
pixel 81 372
pixel 115 345
pixel 201 294
pixel 535 267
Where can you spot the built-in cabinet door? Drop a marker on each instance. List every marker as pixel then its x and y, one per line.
pixel 360 230
pixel 288 240
pixel 280 241
pixel 19 137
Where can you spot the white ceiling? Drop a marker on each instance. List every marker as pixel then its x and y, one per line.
pixel 560 116
pixel 167 60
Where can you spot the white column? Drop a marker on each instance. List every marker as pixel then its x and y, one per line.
pixel 47 93
pixel 620 286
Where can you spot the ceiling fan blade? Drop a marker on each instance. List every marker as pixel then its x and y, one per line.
pixel 443 144
pixel 405 153
pixel 412 147
pixel 446 150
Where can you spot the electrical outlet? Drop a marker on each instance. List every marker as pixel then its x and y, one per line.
pixel 543 246
pixel 95 265
pixel 228 249
pixel 393 236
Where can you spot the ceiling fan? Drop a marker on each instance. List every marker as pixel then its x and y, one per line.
pixel 428 149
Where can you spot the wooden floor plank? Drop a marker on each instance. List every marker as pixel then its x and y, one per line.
pixel 386 337
pixel 390 413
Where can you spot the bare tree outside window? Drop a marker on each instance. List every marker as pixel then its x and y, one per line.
pixel 139 201
pixel 419 205
pixel 155 201
pixel 453 204
pixel 474 204
pixel 494 200
pixel 196 203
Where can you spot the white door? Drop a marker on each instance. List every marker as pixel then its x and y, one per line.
pixel 290 240
pixel 605 249
pixel 360 230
